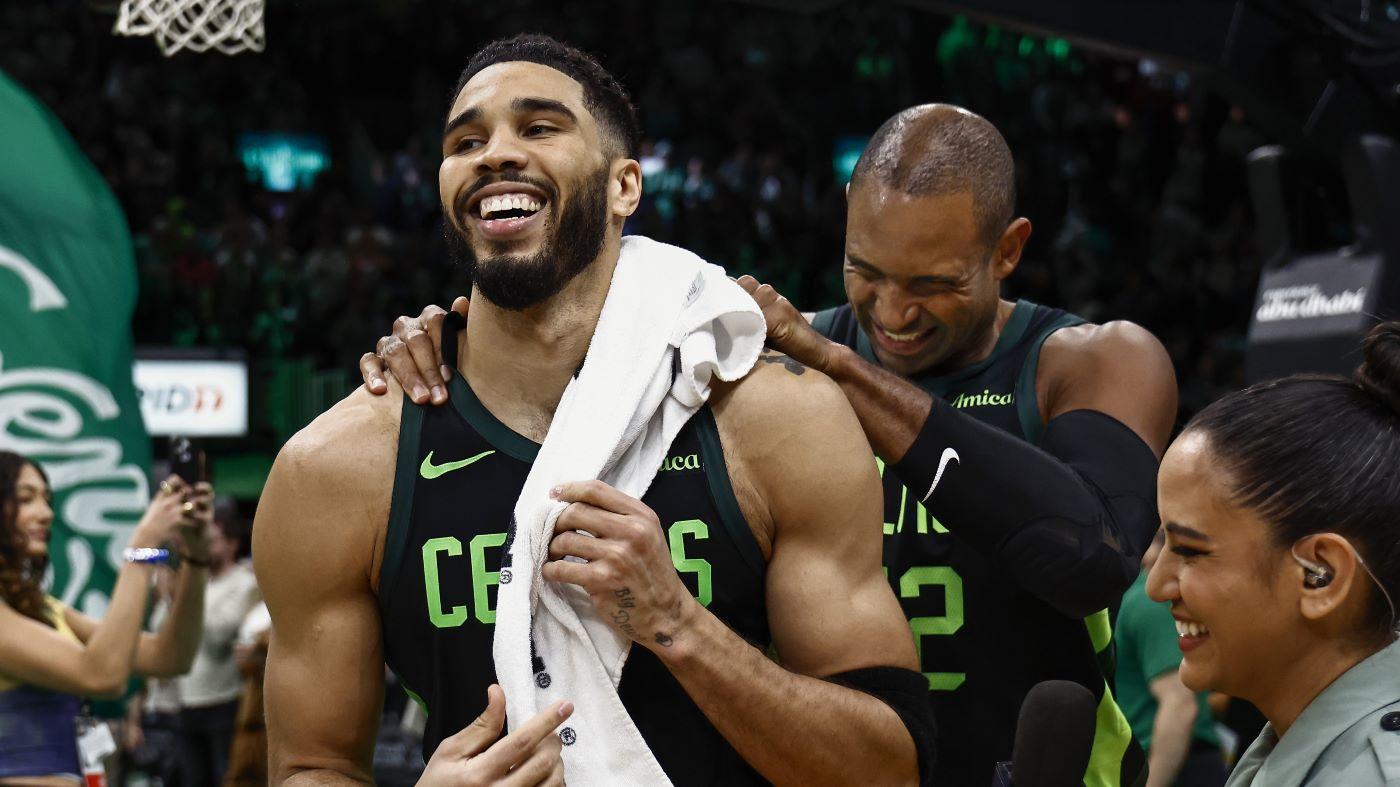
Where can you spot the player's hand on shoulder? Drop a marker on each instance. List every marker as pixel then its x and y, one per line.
pixel 413 353
pixel 789 331
pixel 475 757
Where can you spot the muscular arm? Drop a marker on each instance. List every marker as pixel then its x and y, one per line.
pixel 1070 517
pixel 318 531
pixel 1171 728
pixel 829 607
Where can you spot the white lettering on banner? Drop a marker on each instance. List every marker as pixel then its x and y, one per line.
pixel 1304 301
pixel 42 414
pixel 43 293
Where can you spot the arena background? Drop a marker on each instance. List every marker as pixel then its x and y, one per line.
pixel 1132 175
pixel 284 209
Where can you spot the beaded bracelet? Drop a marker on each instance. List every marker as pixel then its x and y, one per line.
pixel 146 555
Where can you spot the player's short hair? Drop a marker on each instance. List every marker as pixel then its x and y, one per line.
pixel 603 95
pixel 941 149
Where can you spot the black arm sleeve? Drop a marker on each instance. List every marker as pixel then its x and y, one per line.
pixel 1069 520
pixel 906 692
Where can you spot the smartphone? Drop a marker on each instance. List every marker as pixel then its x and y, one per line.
pixel 187 460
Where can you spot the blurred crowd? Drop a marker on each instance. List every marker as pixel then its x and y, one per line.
pixel 187 729
pixel 1132 176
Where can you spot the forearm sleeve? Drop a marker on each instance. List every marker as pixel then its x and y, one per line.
pixel 1069 519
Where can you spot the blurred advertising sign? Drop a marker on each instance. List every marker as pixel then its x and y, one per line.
pixel 67 291
pixel 283 162
pixel 193 397
pixel 1317 296
pixel 1310 314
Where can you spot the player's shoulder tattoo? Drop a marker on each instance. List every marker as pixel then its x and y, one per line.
pixel 773 356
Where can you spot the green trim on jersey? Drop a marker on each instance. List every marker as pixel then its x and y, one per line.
pixel 722 492
pixel 1112 737
pixel 401 503
pixel 1112 734
pixel 1027 403
pixel 1100 630
pixel 507 440
pixel 413 695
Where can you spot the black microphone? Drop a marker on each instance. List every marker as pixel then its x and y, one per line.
pixel 1054 736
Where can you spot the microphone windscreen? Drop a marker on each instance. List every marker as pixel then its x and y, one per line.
pixel 1054 735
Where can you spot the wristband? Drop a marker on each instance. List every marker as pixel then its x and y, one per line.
pixel 145 555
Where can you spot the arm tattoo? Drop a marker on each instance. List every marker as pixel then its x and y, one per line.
pixel 769 356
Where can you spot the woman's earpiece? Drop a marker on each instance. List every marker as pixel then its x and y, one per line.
pixel 1315 575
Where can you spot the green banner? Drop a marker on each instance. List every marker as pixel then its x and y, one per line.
pixel 67 290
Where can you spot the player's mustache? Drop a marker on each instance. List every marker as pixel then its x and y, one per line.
pixel 460 206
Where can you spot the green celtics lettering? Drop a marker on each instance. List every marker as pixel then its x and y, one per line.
pixel 438 551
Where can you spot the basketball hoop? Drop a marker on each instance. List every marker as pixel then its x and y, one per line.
pixel 230 26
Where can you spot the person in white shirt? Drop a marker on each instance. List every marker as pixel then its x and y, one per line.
pixel 209 693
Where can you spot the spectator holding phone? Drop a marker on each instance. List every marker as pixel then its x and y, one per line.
pixel 209 693
pixel 51 655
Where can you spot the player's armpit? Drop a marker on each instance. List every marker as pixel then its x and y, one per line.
pixel 318 530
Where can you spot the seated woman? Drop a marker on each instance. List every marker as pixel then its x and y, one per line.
pixel 51 654
pixel 1281 505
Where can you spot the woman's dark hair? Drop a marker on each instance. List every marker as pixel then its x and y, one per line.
pixel 1321 453
pixel 20 573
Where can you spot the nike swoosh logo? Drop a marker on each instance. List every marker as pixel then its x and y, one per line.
pixel 949 455
pixel 430 471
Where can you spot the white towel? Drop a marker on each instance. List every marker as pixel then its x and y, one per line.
pixel 615 423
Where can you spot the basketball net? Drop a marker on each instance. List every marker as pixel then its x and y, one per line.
pixel 230 26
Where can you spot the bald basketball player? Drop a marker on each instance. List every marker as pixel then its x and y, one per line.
pixel 380 534
pixel 1018 444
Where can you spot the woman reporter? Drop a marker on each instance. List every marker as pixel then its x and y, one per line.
pixel 1281 505
pixel 51 654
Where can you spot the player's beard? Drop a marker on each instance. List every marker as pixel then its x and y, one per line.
pixel 573 238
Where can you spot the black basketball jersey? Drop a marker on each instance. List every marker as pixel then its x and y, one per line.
pixel 983 641
pixel 459 473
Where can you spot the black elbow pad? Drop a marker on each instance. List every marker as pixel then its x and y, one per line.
pixel 1091 551
pixel 1120 468
pixel 906 692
